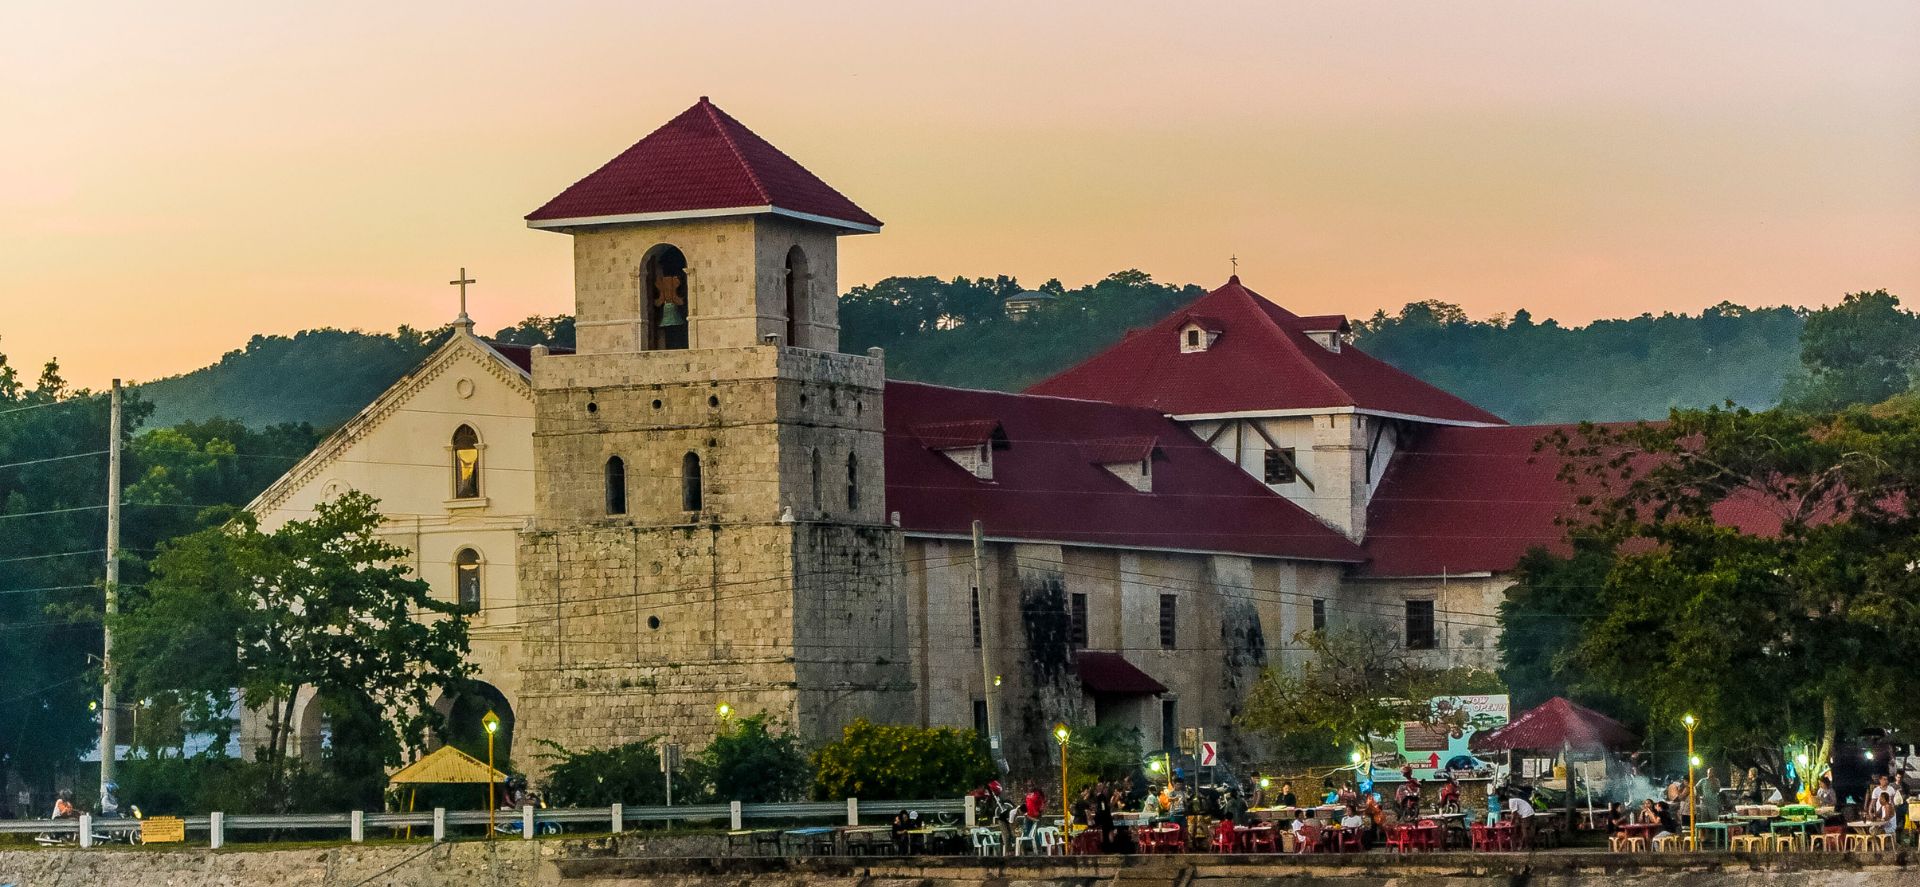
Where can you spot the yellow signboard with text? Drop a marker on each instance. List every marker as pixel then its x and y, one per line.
pixel 163 830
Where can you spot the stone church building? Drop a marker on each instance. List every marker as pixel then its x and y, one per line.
pixel 708 503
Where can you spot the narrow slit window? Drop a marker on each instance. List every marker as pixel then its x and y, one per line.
pixel 1169 612
pixel 616 485
pixel 1077 621
pixel 690 491
pixel 853 482
pixel 977 634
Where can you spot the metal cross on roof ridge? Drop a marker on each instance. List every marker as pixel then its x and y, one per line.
pixel 462 282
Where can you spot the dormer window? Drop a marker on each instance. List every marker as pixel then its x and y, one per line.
pixel 1198 334
pixel 1328 331
pixel 1130 459
pixel 968 443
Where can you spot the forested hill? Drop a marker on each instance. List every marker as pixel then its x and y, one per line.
pixel 956 332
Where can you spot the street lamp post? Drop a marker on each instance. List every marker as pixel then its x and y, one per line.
pixel 1693 795
pixel 1062 735
pixel 492 722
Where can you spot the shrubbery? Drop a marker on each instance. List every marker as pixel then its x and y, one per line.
pixel 749 761
pixel 890 762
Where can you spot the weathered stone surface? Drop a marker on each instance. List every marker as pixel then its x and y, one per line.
pixel 615 862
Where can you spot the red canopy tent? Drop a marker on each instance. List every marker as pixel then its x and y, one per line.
pixel 1557 726
pixel 1554 725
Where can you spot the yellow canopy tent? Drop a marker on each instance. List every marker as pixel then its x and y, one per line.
pixel 447 764
pixel 443 765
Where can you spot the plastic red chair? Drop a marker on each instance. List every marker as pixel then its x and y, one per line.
pixel 1350 840
pixel 1400 838
pixel 1482 838
pixel 1263 838
pixel 1223 839
pixel 1309 838
pixel 1169 838
pixel 1427 835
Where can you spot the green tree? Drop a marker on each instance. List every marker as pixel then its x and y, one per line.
pixel 620 774
pixel 322 604
pixel 555 331
pixel 1355 684
pixel 1861 351
pixel 53 487
pixel 1546 614
pixel 751 762
pixel 899 763
pixel 1102 753
pixel 1798 623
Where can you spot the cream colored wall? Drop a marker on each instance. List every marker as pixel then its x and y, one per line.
pixel 1330 450
pixel 400 451
pixel 1465 613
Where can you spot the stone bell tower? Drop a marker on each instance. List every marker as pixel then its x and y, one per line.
pixel 709 521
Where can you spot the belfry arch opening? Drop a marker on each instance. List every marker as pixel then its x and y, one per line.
pixel 665 296
pixel 796 292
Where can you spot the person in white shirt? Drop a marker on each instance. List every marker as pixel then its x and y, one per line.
pixel 1353 819
pixel 1522 813
pixel 1882 806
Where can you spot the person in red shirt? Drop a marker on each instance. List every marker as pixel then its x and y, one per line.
pixel 1036 803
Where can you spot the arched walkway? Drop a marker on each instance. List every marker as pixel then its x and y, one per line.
pixel 465 713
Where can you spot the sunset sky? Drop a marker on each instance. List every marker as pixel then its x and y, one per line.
pixel 180 176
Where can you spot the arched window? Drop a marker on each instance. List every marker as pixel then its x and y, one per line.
pixel 616 485
pixel 690 483
pixel 466 579
pixel 796 293
pixel 466 463
pixel 818 503
pixel 853 482
pixel 663 284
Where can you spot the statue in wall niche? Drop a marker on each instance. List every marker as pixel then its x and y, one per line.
pixel 673 309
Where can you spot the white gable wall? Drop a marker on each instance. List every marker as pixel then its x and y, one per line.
pixel 400 450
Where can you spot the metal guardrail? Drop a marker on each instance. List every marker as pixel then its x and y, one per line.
pixel 613 818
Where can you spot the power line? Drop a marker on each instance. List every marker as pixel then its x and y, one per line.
pixel 52 511
pixel 51 403
pixel 53 459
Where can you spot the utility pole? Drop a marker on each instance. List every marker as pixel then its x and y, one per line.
pixel 983 600
pixel 107 702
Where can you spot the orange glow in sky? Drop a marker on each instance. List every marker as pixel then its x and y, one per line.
pixel 178 177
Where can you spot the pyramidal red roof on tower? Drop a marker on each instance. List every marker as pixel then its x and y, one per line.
pixel 701 163
pixel 1262 360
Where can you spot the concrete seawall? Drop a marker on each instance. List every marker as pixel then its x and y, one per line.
pixel 630 862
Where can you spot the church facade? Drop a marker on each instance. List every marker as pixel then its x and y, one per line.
pixel 708 509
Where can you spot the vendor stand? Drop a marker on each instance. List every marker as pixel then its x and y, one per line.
pixel 445 765
pixel 1558 725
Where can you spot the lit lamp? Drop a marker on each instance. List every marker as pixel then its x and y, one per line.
pixel 1693 760
pixel 490 721
pixel 723 710
pixel 1062 735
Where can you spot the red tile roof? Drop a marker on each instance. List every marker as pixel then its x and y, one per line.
pixel 957 434
pixel 1045 489
pixel 1263 361
pixel 1473 500
pixel 701 160
pixel 1112 673
pixel 1119 449
pixel 521 356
